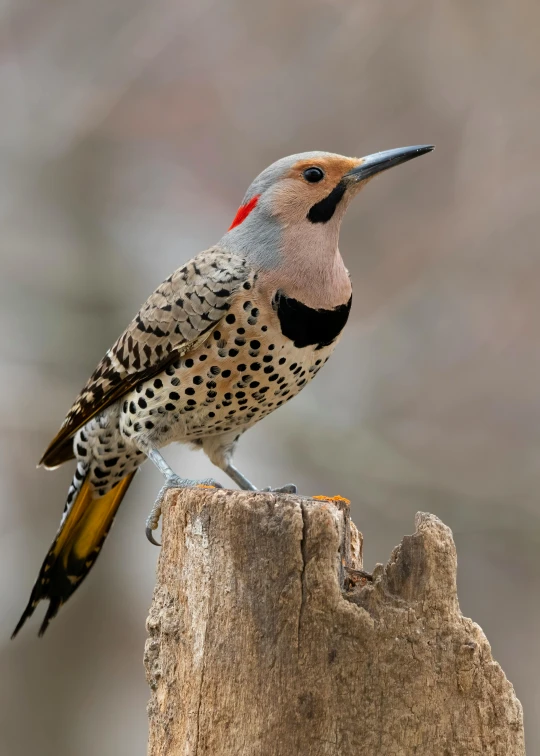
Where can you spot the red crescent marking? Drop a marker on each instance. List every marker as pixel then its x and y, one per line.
pixel 244 211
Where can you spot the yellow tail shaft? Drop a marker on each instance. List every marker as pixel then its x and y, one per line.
pixel 75 549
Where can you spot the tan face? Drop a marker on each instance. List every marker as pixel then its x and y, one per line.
pixel 294 195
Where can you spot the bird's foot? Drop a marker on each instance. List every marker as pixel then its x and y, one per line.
pixel 172 481
pixel 175 481
pixel 290 488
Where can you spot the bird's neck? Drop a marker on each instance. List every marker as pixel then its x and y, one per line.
pixel 312 269
pixel 301 259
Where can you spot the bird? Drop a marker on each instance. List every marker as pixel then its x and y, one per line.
pixel 229 337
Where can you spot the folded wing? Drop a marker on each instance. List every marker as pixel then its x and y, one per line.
pixel 181 313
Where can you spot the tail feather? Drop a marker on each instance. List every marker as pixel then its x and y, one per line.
pixel 75 549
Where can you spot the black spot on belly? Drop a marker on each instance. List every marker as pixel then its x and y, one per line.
pixel 306 326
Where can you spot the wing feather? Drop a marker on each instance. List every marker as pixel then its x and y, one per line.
pixel 180 314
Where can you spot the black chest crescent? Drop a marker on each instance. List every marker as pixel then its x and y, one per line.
pixel 306 326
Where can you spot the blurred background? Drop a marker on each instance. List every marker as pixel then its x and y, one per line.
pixel 129 133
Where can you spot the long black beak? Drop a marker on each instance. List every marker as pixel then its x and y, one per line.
pixel 382 161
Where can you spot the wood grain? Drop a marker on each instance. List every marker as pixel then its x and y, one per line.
pixel 266 640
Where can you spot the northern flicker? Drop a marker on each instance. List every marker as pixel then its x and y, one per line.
pixel 225 340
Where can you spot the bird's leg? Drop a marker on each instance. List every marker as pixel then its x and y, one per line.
pixel 220 450
pixel 247 485
pixel 172 480
pixel 239 479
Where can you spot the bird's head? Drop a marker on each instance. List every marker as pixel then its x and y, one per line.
pixel 304 194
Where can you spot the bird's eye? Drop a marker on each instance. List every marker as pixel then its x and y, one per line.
pixel 313 175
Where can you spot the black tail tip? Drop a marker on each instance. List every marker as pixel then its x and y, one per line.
pixel 28 612
pixel 52 610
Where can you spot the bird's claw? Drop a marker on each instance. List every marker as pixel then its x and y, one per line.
pixel 150 536
pixel 290 488
pixel 173 481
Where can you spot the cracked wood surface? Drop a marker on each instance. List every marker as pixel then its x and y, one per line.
pixel 261 645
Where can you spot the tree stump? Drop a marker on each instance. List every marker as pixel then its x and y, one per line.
pixel 266 639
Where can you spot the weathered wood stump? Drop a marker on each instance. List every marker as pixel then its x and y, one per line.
pixel 266 639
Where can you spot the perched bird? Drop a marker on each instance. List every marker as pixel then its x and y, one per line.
pixel 225 340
